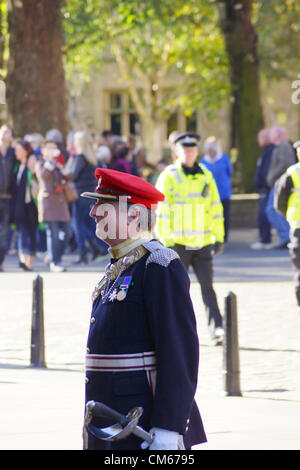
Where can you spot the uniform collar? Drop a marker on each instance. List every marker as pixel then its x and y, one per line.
pixel 125 247
pixel 196 168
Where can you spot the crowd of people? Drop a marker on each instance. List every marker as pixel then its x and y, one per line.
pixel 278 154
pixel 37 173
pixel 40 183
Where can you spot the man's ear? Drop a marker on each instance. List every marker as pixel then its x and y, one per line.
pixel 133 214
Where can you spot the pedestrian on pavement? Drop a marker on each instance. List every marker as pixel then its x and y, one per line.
pixel 36 141
pixel 283 156
pixel 138 160
pixel 24 206
pixel 103 152
pixel 85 163
pixel 260 181
pixel 7 162
pixel 220 165
pixel 52 203
pixel 287 202
pixel 122 160
pixel 55 135
pixel 142 347
pixel 103 156
pixel 190 220
pixel 117 143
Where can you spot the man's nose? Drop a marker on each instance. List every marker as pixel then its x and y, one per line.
pixel 93 211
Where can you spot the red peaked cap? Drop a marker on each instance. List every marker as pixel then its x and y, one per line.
pixel 114 184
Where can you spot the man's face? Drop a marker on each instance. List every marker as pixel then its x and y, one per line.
pixel 105 213
pixel 263 139
pixel 115 222
pixel 276 136
pixel 187 155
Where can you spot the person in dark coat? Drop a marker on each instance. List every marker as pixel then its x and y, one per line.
pixel 142 347
pixel 85 162
pixel 260 181
pixel 24 213
pixel 7 162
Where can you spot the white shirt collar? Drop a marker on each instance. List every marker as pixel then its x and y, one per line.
pixel 126 246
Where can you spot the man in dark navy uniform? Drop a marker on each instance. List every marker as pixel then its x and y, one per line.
pixel 142 347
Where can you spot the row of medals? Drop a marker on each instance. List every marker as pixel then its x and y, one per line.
pixel 113 273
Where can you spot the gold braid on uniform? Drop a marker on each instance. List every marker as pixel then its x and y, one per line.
pixel 114 270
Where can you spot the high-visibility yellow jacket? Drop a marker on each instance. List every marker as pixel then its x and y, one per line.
pixel 192 213
pixel 293 205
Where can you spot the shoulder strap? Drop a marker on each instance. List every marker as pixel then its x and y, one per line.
pixel 159 253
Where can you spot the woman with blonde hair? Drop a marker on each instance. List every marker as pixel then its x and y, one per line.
pixel 83 175
pixel 84 145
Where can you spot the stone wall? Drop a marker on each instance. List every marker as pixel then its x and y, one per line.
pixel 244 211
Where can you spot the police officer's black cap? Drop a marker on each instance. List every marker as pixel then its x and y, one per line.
pixel 187 139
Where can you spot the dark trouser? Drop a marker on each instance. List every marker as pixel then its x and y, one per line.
pixel 294 248
pixel 4 227
pixel 264 226
pixel 56 240
pixel 27 239
pixel 27 230
pixel 201 262
pixel 226 215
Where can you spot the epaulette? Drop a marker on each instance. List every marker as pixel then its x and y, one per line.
pixel 159 253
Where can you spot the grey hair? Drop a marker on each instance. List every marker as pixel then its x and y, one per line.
pixel 212 143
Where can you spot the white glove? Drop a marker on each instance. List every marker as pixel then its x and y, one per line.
pixel 163 440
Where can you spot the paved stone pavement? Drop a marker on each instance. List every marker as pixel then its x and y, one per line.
pixel 42 408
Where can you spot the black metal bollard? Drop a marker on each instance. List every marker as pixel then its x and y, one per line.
pixel 37 358
pixel 231 347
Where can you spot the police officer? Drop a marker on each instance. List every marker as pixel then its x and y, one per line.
pixel 287 202
pixel 190 220
pixel 142 347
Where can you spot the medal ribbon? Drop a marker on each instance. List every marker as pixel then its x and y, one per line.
pixel 126 282
pixel 124 286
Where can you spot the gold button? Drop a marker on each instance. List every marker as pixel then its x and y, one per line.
pixel 186 429
pixel 88 350
pixel 187 421
pixel 93 319
pixel 86 380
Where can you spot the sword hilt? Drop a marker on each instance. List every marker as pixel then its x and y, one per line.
pixel 100 410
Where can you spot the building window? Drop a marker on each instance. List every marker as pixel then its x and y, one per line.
pixel 115 112
pixel 191 122
pixel 121 117
pixel 180 122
